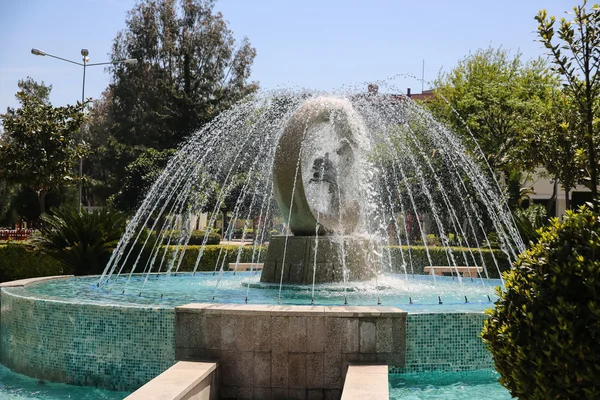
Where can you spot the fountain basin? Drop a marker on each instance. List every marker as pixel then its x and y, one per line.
pixel 412 293
pixel 84 340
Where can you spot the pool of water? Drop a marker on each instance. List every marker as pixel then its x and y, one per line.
pixel 14 386
pixel 472 385
pixel 417 293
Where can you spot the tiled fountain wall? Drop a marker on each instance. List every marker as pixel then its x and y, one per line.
pixel 445 342
pixel 114 347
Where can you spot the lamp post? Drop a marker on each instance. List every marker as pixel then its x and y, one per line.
pixel 84 64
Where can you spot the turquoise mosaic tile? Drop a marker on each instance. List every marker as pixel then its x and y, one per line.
pixel 445 342
pixel 113 347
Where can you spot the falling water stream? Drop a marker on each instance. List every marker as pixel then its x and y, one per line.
pixel 408 178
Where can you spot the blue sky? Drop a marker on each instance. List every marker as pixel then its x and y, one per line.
pixel 318 44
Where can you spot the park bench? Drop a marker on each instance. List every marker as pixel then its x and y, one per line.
pixel 245 266
pixel 465 271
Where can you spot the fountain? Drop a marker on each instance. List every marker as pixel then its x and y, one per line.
pixel 360 180
pixel 324 215
pixel 343 198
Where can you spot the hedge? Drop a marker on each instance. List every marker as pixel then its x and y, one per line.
pixel 196 238
pixel 418 255
pixel 212 253
pixel 438 256
pixel 21 260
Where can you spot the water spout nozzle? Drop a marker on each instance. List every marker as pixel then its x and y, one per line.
pixel 161 295
pixel 246 299
pixel 123 291
pixel 410 300
pixel 140 295
pixel 489 299
pixel 378 300
pixel 466 300
pixel 345 300
pixel 440 300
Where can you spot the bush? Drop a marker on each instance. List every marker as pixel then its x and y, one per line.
pixel 196 237
pixel 83 242
pixel 544 332
pixel 438 256
pixel 20 260
pixel 529 220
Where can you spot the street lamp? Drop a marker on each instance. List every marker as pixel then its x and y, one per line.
pixel 85 64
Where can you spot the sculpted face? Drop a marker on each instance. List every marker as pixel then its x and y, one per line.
pixel 316 172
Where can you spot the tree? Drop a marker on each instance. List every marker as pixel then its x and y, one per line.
pixel 559 147
pixel 38 91
pixel 99 180
pixel 576 57
pixel 9 192
pixel 39 149
pixel 190 70
pixel 499 100
pixel 140 175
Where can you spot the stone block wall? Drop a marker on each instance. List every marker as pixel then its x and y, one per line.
pixel 288 351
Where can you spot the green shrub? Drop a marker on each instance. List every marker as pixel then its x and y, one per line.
pixel 438 256
pixel 211 255
pixel 141 253
pixel 544 332
pixel 82 241
pixel 529 221
pixel 196 238
pixel 20 260
pixel 419 257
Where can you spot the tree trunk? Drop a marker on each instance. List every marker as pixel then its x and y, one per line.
pixel 589 122
pixel 42 202
pixel 567 200
pixel 224 229
pixel 592 161
pixel 552 201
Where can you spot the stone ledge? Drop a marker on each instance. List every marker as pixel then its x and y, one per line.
pixel 366 382
pixel 293 311
pixel 24 282
pixel 184 380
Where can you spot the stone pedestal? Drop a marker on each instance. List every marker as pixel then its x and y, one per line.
pixel 288 352
pixel 297 260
